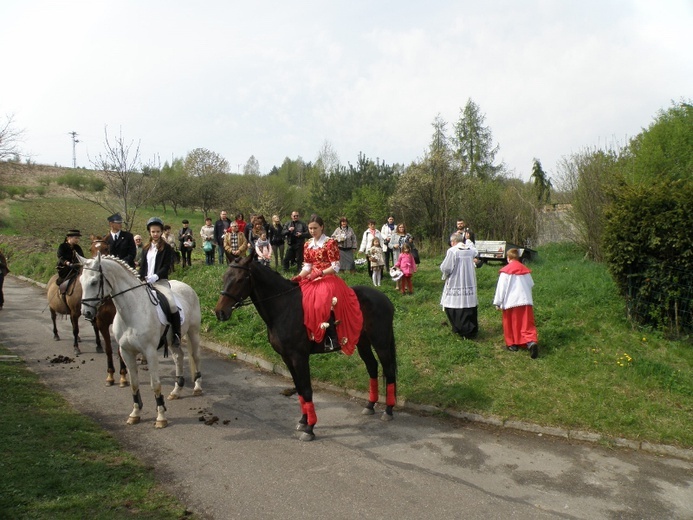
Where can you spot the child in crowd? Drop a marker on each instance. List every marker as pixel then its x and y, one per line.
pixel 263 249
pixel 514 297
pixel 377 259
pixel 407 265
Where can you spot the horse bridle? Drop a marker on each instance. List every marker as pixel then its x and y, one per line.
pixel 100 295
pixel 242 302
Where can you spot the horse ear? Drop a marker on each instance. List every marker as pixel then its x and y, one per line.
pixel 81 259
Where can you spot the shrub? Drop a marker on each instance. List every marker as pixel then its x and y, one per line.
pixel 647 246
pixel 81 182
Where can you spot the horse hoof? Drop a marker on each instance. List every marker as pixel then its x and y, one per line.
pixel 368 411
pixel 109 382
pixel 99 350
pixel 133 420
pixel 172 396
pixel 56 338
pixel 123 384
pixel 197 393
pixel 306 437
pixel 161 424
pixel 386 417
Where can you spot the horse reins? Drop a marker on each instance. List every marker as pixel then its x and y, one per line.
pixel 242 302
pixel 101 298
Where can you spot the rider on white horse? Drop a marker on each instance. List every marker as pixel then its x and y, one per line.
pixel 156 262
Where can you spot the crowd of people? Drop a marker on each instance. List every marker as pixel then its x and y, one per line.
pixel 313 256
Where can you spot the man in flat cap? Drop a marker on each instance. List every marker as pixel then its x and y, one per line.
pixel 120 242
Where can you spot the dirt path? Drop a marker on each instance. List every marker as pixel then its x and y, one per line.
pixel 248 463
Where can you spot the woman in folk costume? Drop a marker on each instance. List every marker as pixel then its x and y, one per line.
pixel 331 311
pixel 459 297
pixel 514 298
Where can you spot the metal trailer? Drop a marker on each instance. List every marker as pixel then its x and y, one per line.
pixel 496 250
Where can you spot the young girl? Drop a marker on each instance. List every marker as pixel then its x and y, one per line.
pixel 376 257
pixel 407 265
pixel 514 297
pixel 263 250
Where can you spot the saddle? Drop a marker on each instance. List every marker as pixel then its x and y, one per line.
pixel 64 286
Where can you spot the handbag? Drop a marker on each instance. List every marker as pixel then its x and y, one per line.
pixel 415 254
pixel 208 246
pixel 190 244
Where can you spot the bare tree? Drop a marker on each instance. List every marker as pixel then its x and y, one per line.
pixel 328 159
pixel 10 137
pixel 252 167
pixel 129 185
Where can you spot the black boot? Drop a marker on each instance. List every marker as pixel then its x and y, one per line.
pixel 175 328
pixel 331 340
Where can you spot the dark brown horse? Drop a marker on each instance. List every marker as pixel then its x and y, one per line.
pixel 279 303
pixel 70 303
pixel 104 319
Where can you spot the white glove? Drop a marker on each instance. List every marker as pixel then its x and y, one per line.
pixel 152 278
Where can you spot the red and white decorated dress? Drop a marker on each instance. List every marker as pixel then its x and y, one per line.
pixel 318 295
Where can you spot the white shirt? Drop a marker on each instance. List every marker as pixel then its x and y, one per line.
pixel 151 259
pixel 459 273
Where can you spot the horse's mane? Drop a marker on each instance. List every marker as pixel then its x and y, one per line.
pixel 123 264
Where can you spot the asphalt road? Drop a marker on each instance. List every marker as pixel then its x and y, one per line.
pixel 358 467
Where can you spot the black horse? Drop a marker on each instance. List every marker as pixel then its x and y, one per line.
pixel 279 303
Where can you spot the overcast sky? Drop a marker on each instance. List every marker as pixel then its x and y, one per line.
pixel 277 79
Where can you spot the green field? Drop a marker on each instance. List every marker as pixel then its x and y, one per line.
pixel 596 371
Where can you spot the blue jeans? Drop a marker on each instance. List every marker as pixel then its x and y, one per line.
pixel 222 256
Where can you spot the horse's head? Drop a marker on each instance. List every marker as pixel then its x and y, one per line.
pixel 92 286
pixel 99 245
pixel 237 287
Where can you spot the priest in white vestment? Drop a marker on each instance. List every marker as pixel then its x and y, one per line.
pixel 459 294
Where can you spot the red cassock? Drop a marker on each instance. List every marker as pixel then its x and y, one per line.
pixel 318 297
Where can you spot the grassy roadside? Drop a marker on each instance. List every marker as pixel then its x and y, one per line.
pixel 595 371
pixel 58 463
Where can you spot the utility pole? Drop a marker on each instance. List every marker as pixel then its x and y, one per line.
pixel 74 147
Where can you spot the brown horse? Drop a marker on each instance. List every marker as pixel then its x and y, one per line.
pixel 70 304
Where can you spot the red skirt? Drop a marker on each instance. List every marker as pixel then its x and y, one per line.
pixel 317 304
pixel 518 326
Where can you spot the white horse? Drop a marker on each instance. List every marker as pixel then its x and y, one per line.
pixel 137 327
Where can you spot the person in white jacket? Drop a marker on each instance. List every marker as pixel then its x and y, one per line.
pixel 459 297
pixel 514 297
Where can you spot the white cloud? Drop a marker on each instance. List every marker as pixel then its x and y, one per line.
pixel 275 79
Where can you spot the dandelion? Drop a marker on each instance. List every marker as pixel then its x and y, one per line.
pixel 644 338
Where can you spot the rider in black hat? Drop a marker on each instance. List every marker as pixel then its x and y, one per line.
pixel 156 263
pixel 68 263
pixel 121 243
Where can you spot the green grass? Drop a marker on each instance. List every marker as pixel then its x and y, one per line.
pixel 595 372
pixel 59 464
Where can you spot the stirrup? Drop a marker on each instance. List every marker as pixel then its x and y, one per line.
pixel 330 345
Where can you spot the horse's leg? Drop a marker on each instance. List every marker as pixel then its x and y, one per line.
pixel 131 362
pixel 74 318
pixel 177 354
pixel 56 337
pixel 194 359
pixel 153 363
pixel 300 371
pixel 99 348
pixel 388 360
pixel 366 354
pixel 123 372
pixel 100 326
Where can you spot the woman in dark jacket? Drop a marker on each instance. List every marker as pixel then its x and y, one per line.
pixel 154 269
pixel 276 240
pixel 67 256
